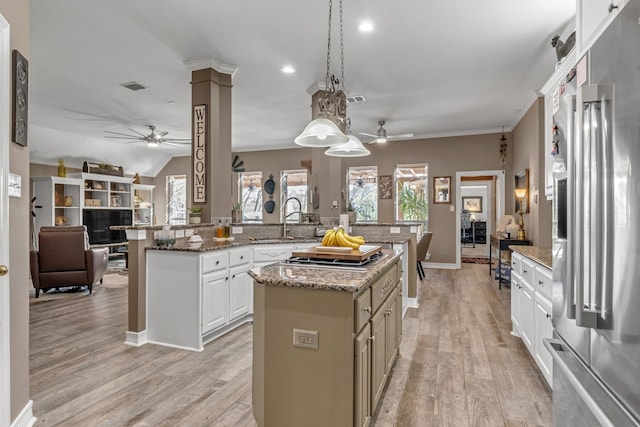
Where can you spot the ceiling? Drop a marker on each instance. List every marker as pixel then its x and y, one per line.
pixel 426 68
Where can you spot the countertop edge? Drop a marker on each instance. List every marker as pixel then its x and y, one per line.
pixel 540 255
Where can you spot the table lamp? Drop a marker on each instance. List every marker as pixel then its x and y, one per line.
pixel 520 194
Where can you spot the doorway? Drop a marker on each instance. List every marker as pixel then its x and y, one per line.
pixel 5 72
pixel 479 204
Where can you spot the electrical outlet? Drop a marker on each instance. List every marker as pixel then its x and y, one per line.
pixel 236 230
pixel 394 230
pixel 304 338
pixel 179 234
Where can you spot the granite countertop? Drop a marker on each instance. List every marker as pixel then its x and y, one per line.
pixel 182 245
pixel 539 255
pixel 322 277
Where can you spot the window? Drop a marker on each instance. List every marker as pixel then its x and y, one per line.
pixel 412 192
pixel 176 199
pixel 294 186
pixel 250 194
pixel 362 183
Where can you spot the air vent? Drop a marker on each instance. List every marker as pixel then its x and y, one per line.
pixel 358 98
pixel 133 86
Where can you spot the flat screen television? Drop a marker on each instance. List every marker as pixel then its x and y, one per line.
pixel 98 222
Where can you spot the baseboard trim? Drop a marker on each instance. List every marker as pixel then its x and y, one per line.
pixel 136 339
pixel 25 418
pixel 181 347
pixel 442 265
pixel 412 303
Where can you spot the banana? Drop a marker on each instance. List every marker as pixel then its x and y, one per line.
pixel 354 239
pixel 342 239
pixel 327 236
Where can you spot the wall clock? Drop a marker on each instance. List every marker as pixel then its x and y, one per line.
pixel 20 99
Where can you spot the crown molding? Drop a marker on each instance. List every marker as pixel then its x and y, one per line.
pixel 203 63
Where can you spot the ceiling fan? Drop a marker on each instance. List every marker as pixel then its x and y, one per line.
pixel 381 134
pixel 153 139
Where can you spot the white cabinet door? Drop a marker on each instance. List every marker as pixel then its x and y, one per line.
pixel 391 331
pixel 362 374
pixel 592 18
pixel 378 360
pixel 527 305
pixel 516 310
pixel 543 329
pixel 240 287
pixel 215 298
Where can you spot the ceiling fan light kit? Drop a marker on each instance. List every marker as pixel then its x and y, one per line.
pixel 153 139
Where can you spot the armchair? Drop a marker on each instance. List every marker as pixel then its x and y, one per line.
pixel 65 259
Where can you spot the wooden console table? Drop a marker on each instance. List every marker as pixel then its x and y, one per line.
pixel 502 244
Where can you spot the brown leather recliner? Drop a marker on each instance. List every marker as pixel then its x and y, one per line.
pixel 65 259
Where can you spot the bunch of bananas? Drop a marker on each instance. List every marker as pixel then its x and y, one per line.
pixel 338 237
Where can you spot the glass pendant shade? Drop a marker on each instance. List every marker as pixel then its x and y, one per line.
pixel 521 192
pixel 353 148
pixel 321 133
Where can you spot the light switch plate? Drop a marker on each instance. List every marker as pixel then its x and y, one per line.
pixel 188 232
pixel 304 338
pixel 452 208
pixel 179 234
pixel 394 230
pixel 413 229
pixel 236 230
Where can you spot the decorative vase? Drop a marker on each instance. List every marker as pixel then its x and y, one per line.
pixel 62 169
pixel 68 201
pixel 236 216
pixel 194 219
pixel 352 217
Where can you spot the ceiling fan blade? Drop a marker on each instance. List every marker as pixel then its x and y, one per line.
pixel 238 169
pixel 163 133
pixel 404 135
pixel 135 131
pixel 368 134
pixel 128 138
pixel 176 140
pixel 120 133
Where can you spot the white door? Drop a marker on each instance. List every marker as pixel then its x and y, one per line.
pixel 215 297
pixel 5 70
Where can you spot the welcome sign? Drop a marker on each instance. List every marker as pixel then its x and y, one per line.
pixel 198 153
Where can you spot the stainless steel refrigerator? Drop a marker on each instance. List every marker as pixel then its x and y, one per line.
pixel 596 234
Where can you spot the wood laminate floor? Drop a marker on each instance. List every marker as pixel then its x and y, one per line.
pixel 459 365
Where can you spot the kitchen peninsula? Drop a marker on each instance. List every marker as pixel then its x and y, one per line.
pixel 326 339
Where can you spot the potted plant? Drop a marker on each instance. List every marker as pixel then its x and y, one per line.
pixel 195 213
pixel 352 213
pixel 236 213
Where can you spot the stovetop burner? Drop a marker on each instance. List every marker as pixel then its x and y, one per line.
pixel 332 262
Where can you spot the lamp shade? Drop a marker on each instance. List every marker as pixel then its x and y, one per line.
pixel 321 133
pixel 353 148
pixel 521 192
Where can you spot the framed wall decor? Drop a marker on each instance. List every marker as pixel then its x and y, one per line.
pixel 442 189
pixel 20 97
pixel 385 186
pixel 472 204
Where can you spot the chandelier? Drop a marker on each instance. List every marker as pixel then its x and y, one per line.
pixel 325 129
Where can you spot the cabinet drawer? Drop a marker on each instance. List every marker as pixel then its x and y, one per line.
pixel 271 253
pixel 542 280
pixel 516 263
pixel 382 288
pixel 214 261
pixel 239 256
pixel 527 271
pixel 362 307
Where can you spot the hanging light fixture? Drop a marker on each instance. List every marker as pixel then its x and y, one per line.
pixel 352 148
pixel 324 131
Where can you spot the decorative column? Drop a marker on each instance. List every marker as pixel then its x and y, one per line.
pixel 137 298
pixel 211 148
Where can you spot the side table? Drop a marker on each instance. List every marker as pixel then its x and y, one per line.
pixel 502 244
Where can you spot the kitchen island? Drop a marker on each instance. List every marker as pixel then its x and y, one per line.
pixel 324 341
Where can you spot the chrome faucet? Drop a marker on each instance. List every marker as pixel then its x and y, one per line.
pixel 285 216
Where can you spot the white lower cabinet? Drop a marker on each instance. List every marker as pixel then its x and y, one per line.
pixel 543 329
pixel 362 382
pixel 215 294
pixel 527 306
pixel 240 290
pixel 531 309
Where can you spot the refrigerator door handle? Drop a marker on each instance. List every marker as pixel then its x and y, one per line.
pixel 571 213
pixel 593 242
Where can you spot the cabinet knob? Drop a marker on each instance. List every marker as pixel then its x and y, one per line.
pixel 367 309
pixel 217 262
pixel 525 271
pixel 612 7
pixel 540 282
pixel 548 315
pixel 372 338
pixel 241 256
pixel 3 270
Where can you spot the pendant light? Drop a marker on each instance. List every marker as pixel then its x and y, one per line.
pixel 352 148
pixel 324 131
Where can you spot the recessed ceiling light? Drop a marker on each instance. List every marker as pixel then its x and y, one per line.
pixel 365 27
pixel 288 69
